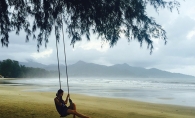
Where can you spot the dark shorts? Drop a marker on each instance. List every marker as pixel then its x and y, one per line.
pixel 64 111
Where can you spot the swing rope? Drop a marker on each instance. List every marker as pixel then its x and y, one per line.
pixel 65 57
pixel 58 63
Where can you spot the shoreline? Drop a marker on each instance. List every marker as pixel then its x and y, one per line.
pixel 138 94
pixel 18 103
pixel 31 87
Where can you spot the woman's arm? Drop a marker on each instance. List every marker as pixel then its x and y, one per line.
pixel 66 101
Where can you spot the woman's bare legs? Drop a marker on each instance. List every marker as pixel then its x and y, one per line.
pixel 73 107
pixel 74 112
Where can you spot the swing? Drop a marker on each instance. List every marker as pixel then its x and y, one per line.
pixel 72 105
pixel 70 101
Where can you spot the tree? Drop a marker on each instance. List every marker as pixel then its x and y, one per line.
pixel 106 18
pixel 10 68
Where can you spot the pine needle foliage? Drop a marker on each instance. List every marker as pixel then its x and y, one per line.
pixel 105 18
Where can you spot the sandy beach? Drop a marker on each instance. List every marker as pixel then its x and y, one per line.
pixel 16 103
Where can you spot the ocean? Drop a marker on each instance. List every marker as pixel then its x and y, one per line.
pixel 175 91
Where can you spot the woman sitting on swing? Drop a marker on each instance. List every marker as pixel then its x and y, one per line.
pixel 61 107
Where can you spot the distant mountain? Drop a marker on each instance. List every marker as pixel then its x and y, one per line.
pixel 32 64
pixel 83 69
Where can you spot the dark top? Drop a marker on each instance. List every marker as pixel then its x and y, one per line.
pixel 62 109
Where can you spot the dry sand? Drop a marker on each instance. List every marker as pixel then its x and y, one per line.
pixel 16 103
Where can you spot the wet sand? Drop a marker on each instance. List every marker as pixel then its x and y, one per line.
pixel 16 103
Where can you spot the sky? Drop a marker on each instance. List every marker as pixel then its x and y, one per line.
pixel 176 56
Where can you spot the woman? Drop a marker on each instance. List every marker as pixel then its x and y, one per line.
pixel 61 107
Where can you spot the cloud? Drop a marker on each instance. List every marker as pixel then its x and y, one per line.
pixel 43 54
pixel 95 44
pixel 187 8
pixel 180 28
pixel 191 34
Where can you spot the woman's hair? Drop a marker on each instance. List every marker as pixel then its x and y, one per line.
pixel 59 92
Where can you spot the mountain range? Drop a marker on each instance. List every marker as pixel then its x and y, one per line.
pixel 83 69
